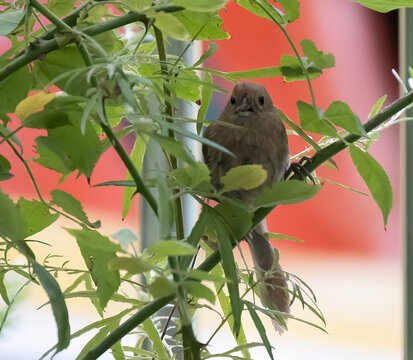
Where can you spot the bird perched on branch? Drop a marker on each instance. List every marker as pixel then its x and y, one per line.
pixel 258 137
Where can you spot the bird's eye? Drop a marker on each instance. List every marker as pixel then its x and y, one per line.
pixel 232 100
pixel 261 100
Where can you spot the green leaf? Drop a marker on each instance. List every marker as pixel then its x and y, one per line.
pixel 375 178
pixel 206 97
pixel 225 304
pixel 64 153
pixel 161 287
pixel 123 183
pixel 124 237
pixel 245 177
pixel 174 148
pixel 263 9
pixel 153 336
pixel 269 72
pixel 203 275
pixel 97 251
pixel 340 114
pixel 286 193
pixel 173 248
pixel 201 5
pixel 132 265
pixel 3 289
pixel 260 327
pixel 58 304
pixel 192 175
pixel 13 89
pixel 236 217
pixel 47 119
pixel 165 209
pixel 59 7
pixel 136 156
pixel 9 20
pixel 71 206
pixel 186 85
pixel 12 222
pixel 212 49
pixel 282 237
pixel 210 24
pixel 37 215
pixel 291 9
pixel 199 290
pixel 385 5
pixel 5 167
pixel 313 120
pixel 69 76
pixel 321 60
pixel 230 270
pixel 171 26
pixel 377 106
pixel 292 69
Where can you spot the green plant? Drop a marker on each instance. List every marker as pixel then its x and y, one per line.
pixel 104 78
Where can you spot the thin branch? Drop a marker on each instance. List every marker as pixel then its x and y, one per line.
pixel 45 47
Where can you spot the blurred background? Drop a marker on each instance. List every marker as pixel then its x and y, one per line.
pixel 353 264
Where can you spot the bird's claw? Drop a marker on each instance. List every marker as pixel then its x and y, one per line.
pixel 299 169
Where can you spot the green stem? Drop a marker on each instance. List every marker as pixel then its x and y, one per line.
pixel 169 116
pixel 140 185
pixel 307 76
pixel 60 25
pixel 128 326
pixel 50 45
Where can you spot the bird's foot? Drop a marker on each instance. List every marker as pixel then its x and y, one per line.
pixel 299 169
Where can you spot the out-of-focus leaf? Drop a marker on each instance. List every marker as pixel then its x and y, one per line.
pixel 385 5
pixel 37 215
pixel 173 248
pixel 199 290
pixel 47 119
pixel 287 192
pixel 171 26
pixel 124 237
pixel 59 7
pixel 375 178
pixel 9 20
pixel 12 222
pixel 154 337
pixel 245 177
pixel 161 287
pixel 97 251
pixel 132 265
pixel 201 5
pixel 236 217
pixel 58 304
pixel 32 103
pixel 192 176
pixel 186 85
pixel 5 167
pixel 174 148
pixel 292 70
pixel 13 89
pixel 263 9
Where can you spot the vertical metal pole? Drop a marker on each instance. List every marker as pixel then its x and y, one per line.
pixel 406 60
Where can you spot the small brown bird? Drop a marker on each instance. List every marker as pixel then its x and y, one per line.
pixel 259 137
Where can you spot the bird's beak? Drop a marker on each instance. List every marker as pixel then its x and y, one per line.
pixel 245 105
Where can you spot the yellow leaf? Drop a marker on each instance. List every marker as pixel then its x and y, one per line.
pixel 31 104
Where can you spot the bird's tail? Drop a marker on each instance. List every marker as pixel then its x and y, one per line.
pixel 273 288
